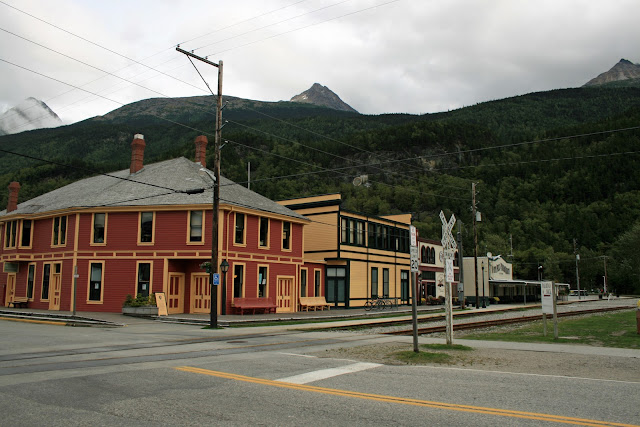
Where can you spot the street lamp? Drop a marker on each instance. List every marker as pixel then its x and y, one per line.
pixel 224 267
pixel 484 303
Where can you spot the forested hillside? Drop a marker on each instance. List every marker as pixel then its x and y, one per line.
pixel 551 167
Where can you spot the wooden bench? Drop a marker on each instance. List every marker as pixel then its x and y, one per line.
pixel 315 303
pixel 245 304
pixel 19 302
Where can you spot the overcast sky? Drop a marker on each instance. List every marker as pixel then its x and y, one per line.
pixel 379 56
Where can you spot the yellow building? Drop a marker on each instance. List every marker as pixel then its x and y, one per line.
pixel 366 257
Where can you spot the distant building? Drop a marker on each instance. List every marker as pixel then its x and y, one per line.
pixel 367 257
pixel 144 230
pixel 432 275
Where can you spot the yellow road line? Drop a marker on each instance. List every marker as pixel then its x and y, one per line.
pixel 46 322
pixel 407 401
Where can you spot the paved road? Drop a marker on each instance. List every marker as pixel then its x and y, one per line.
pixel 150 373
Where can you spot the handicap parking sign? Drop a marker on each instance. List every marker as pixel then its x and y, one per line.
pixel 216 279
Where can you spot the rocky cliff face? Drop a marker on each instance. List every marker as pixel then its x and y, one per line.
pixel 322 96
pixel 28 115
pixel 623 70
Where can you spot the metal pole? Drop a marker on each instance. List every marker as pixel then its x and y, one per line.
pixel 75 285
pixel 475 239
pixel 460 266
pixel 555 312
pixel 414 312
pixel 605 273
pixel 484 304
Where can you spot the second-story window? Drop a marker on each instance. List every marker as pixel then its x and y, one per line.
pixel 25 237
pixel 286 235
pixel 59 231
pixel 99 227
pixel 239 238
pixel 10 234
pixel 146 227
pixel 264 232
pixel 195 226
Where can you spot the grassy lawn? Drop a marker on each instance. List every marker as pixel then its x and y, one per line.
pixel 603 330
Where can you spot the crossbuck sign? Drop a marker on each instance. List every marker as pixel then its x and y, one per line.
pixel 448 242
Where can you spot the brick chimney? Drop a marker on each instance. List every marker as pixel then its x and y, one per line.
pixel 201 150
pixel 137 153
pixel 14 188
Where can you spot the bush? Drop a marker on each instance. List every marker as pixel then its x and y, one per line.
pixel 139 301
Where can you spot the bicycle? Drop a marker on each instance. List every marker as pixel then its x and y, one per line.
pixel 378 303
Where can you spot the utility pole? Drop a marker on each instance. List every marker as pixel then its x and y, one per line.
pixel 460 267
pixel 604 258
pixel 577 271
pixel 475 238
pixel 213 320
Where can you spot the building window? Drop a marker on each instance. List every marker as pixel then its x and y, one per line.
pixel 239 239
pixel 433 256
pixel 423 255
pixel 46 277
pixel 10 234
pixel 59 231
pixel 404 285
pixel 264 232
pixel 344 236
pixel 95 281
pixel 26 235
pixel 303 282
pixel 30 279
pixel 99 227
pixel 146 227
pixel 286 235
pixel 317 283
pixel 144 279
pixel 385 282
pixel 263 276
pixel 238 280
pixel 360 233
pixel 374 282
pixel 195 226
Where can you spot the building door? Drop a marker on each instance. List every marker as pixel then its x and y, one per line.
pixel 404 286
pixel 336 291
pixel 11 289
pixel 175 294
pixel 200 293
pixel 284 294
pixel 56 287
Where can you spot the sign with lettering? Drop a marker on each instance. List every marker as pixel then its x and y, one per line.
pixel 546 290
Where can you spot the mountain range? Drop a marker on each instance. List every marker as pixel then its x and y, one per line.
pixel 624 71
pixel 550 167
pixel 28 115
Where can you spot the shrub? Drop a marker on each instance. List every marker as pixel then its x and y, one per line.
pixel 139 301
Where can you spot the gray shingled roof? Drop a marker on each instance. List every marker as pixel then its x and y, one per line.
pixel 178 174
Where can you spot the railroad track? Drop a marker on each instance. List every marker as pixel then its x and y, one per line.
pixel 498 322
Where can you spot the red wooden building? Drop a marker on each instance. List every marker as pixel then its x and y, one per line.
pixel 145 230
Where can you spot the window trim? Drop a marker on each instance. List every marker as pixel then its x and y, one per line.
pixel 20 245
pixel 233 278
pixel 60 236
pixel 268 240
pixel 244 229
pixel 33 283
pixel 266 285
pixel 153 228
pixel 90 301
pixel 92 242
pixel 289 238
pixel 189 241
pixel 137 272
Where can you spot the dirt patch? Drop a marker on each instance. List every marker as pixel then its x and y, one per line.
pixel 533 362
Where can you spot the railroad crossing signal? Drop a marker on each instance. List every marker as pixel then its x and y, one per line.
pixel 448 242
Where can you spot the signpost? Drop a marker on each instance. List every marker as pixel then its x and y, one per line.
pixel 414 270
pixel 547 290
pixel 449 245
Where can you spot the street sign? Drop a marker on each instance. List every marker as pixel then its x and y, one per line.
pixel 449 254
pixel 414 259
pixel 216 279
pixel 413 234
pixel 449 270
pixel 448 242
pixel 546 289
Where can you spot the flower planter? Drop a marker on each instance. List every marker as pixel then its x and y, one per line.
pixel 149 310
